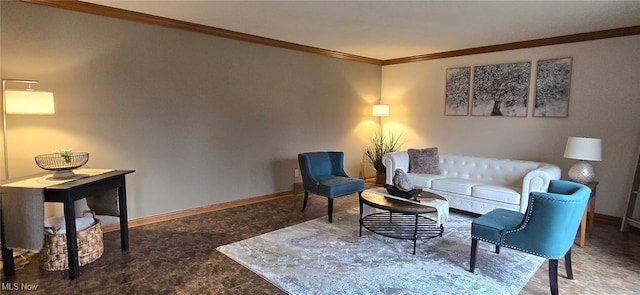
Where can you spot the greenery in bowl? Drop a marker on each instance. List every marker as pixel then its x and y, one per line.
pixel 381 144
pixel 65 154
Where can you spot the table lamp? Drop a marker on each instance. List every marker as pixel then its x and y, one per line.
pixel 583 149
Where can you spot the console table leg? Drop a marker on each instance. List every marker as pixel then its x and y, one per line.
pixel 8 268
pixel 72 242
pixel 124 222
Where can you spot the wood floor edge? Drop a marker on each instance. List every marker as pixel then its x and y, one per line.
pixel 600 218
pixel 194 211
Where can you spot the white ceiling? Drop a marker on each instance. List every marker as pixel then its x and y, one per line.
pixel 395 29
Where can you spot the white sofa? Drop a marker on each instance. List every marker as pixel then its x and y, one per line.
pixel 477 184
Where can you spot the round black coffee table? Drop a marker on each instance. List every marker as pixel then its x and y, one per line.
pixel 400 219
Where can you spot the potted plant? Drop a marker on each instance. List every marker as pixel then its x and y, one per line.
pixel 382 144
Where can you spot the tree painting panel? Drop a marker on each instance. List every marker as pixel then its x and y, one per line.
pixel 457 96
pixel 501 90
pixel 552 88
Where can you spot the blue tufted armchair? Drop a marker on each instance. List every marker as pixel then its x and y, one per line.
pixel 323 174
pixel 547 228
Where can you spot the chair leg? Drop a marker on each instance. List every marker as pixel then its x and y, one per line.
pixel 497 249
pixel 553 276
pixel 474 252
pixel 330 209
pixel 306 197
pixel 567 264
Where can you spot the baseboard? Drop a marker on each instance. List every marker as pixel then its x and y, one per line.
pixel 296 186
pixel 607 219
pixel 194 211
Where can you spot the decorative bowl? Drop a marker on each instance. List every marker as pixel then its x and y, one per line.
pixel 62 165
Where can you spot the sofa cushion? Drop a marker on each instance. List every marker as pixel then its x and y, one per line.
pixel 423 180
pixel 454 185
pixel 497 193
pixel 424 161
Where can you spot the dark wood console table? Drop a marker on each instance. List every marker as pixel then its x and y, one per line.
pixel 69 192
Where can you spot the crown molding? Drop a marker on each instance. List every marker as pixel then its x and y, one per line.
pixel 620 32
pixel 96 9
pixel 193 27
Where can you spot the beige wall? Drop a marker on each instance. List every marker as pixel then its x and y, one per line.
pixel 203 120
pixel 206 120
pixel 604 103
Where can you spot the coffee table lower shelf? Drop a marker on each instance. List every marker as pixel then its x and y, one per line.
pixel 402 226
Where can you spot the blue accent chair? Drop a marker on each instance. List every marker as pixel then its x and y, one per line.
pixel 547 228
pixel 323 174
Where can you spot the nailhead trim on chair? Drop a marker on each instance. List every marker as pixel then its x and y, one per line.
pixel 511 247
pixel 524 224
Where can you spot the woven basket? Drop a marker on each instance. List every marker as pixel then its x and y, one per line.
pixel 53 255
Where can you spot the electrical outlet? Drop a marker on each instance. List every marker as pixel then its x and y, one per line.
pixel 296 172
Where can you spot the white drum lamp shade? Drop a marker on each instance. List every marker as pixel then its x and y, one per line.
pixel 29 102
pixel 583 149
pixel 380 110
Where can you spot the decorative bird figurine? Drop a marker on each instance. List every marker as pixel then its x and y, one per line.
pixel 401 180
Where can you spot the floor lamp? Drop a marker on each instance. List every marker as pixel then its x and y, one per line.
pixel 379 110
pixel 22 102
pixel 25 101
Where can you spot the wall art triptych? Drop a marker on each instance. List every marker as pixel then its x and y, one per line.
pixel 457 91
pixel 503 90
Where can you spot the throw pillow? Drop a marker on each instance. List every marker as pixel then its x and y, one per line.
pixel 401 181
pixel 424 161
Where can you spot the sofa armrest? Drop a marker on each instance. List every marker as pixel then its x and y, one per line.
pixel 537 180
pixel 393 161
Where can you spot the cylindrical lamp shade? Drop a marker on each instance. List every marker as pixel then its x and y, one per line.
pixel 583 148
pixel 29 102
pixel 381 110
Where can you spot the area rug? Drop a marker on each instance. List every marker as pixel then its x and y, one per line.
pixel 317 257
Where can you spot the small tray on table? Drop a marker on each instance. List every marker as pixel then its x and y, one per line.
pixel 394 191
